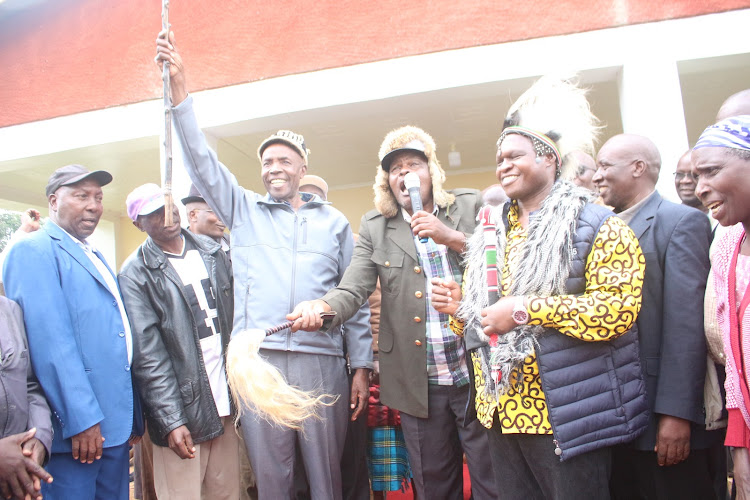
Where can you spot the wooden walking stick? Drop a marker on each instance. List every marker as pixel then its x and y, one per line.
pixel 167 184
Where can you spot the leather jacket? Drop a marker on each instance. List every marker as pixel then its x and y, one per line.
pixel 165 339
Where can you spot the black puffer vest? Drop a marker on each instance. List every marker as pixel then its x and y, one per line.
pixel 595 391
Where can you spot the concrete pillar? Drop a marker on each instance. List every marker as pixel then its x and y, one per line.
pixel 651 105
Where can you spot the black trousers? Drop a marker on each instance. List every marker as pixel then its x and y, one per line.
pixel 436 446
pixel 526 468
pixel 636 474
pixel 355 477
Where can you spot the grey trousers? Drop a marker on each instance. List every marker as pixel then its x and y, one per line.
pixel 436 446
pixel 271 448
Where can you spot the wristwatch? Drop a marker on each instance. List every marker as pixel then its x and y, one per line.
pixel 520 314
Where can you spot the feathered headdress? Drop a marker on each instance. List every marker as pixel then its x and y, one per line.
pixel 555 114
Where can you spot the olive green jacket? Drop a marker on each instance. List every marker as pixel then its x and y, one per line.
pixel 386 250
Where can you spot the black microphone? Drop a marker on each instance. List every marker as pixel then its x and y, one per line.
pixel 411 182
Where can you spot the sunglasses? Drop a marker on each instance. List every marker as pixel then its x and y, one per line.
pixel 678 176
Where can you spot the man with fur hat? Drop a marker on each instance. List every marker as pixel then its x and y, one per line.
pixel 423 370
pixel 552 289
pixel 287 246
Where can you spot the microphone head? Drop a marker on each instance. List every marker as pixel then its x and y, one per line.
pixel 411 180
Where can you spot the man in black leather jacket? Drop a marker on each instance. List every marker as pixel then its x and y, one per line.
pixel 178 290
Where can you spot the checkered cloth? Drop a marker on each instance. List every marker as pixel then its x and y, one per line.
pixel 388 459
pixel 446 358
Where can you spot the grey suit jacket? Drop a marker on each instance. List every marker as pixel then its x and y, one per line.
pixel 22 402
pixel 675 240
pixel 386 250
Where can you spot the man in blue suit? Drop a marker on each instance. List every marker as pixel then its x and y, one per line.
pixel 670 460
pixel 79 340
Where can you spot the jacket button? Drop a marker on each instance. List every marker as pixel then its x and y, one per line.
pixel 417 342
pixel 418 294
pixel 417 269
pixel 127 368
pixel 387 263
pixel 417 319
pixel 121 334
pixel 114 303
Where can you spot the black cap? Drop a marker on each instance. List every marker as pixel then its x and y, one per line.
pixel 72 174
pixel 193 196
pixel 415 146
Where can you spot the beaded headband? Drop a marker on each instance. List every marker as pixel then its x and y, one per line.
pixel 543 145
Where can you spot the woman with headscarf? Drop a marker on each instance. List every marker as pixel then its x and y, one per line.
pixel 721 160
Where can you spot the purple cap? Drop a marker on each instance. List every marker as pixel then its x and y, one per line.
pixel 144 200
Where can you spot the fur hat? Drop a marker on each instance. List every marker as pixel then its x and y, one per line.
pixel 405 138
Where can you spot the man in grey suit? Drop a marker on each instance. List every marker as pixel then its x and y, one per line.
pixel 670 459
pixel 25 424
pixel 423 370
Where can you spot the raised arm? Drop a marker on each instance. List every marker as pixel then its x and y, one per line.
pixel 213 180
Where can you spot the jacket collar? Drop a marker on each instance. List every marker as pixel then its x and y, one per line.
pixel 65 241
pixel 643 219
pixel 154 257
pixel 307 198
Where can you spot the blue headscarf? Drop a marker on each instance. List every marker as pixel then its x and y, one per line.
pixel 732 133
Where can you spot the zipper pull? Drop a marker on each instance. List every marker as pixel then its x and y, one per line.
pixel 558 450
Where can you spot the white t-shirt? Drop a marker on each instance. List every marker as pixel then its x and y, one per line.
pixel 197 287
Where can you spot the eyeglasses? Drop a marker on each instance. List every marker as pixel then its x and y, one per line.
pixel 582 170
pixel 678 176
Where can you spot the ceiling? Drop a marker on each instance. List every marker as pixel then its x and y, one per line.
pixel 344 140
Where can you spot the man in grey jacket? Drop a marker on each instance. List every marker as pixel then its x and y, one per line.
pixel 25 425
pixel 286 247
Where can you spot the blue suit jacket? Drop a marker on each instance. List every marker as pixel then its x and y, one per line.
pixel 675 240
pixel 76 337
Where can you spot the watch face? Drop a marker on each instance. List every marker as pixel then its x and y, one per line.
pixel 520 316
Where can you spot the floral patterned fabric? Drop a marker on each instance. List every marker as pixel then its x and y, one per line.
pixel 608 308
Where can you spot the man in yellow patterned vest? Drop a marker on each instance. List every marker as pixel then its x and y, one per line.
pixel 551 291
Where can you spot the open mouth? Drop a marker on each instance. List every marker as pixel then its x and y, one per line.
pixel 714 207
pixel 277 182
